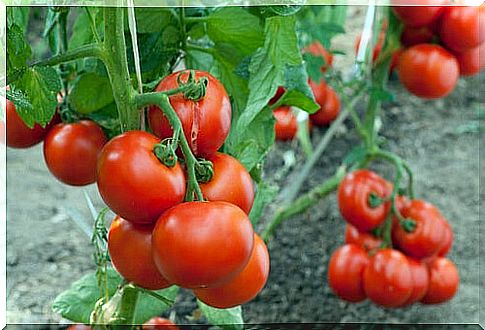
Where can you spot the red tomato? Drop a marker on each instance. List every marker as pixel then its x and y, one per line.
pixel 245 286
pixel 279 93
pixel 419 273
pixel 413 36
pixel 317 49
pixel 364 240
pixel 319 91
pixel 353 199
pixel 427 238
pixel 158 322
pixel 345 270
pixel 443 281
pixel 418 13
pixel 130 249
pixel 19 135
pixel 447 241
pixel 428 71
pixel 329 110
pixel 133 182
pixel 71 151
pixel 206 122
pixel 471 61
pixel 202 244
pixel 286 125
pixel 461 28
pixel 231 183
pixel 387 279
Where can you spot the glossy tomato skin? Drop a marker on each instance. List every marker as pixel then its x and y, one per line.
pixel 206 122
pixel 353 196
pixel 419 273
pixel 71 151
pixel 365 240
pixel 329 110
pixel 130 249
pixel 471 61
pixel 345 272
pixel 387 279
pixel 447 240
pixel 133 182
pixel 158 322
pixel 19 135
pixel 202 244
pixel 461 28
pixel 317 49
pixel 286 125
pixel 443 281
pixel 319 91
pixel 231 183
pixel 428 71
pixel 429 234
pixel 245 286
pixel 413 36
pixel 418 13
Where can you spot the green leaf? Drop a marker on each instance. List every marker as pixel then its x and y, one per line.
pixel 90 93
pixel 298 92
pixel 81 32
pixel 18 50
pixel 265 193
pixel 40 85
pixel 18 16
pixel 314 66
pixel 228 319
pixel 77 302
pixel 107 118
pixel 149 306
pixel 237 27
pixel 154 20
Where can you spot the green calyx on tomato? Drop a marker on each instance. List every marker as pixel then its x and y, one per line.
pixel 194 89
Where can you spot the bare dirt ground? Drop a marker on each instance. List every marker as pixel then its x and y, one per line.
pixel 47 250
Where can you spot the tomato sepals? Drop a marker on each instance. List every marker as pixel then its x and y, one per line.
pixel 165 152
pixel 409 225
pixel 194 90
pixel 375 201
pixel 204 170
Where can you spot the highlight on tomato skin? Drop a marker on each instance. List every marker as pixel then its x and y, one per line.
pixel 245 286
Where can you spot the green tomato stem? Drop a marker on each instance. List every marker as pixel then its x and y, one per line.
pixel 90 50
pixel 116 64
pixel 304 202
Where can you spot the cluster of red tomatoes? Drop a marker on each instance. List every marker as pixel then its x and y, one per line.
pixel 157 239
pixel 438 44
pixel 365 267
pixel 444 43
pixel 286 125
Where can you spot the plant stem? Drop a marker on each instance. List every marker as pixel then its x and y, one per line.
pixel 290 192
pixel 304 202
pixel 90 50
pixel 163 299
pixel 196 19
pixel 127 305
pixel 117 66
pixel 161 98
